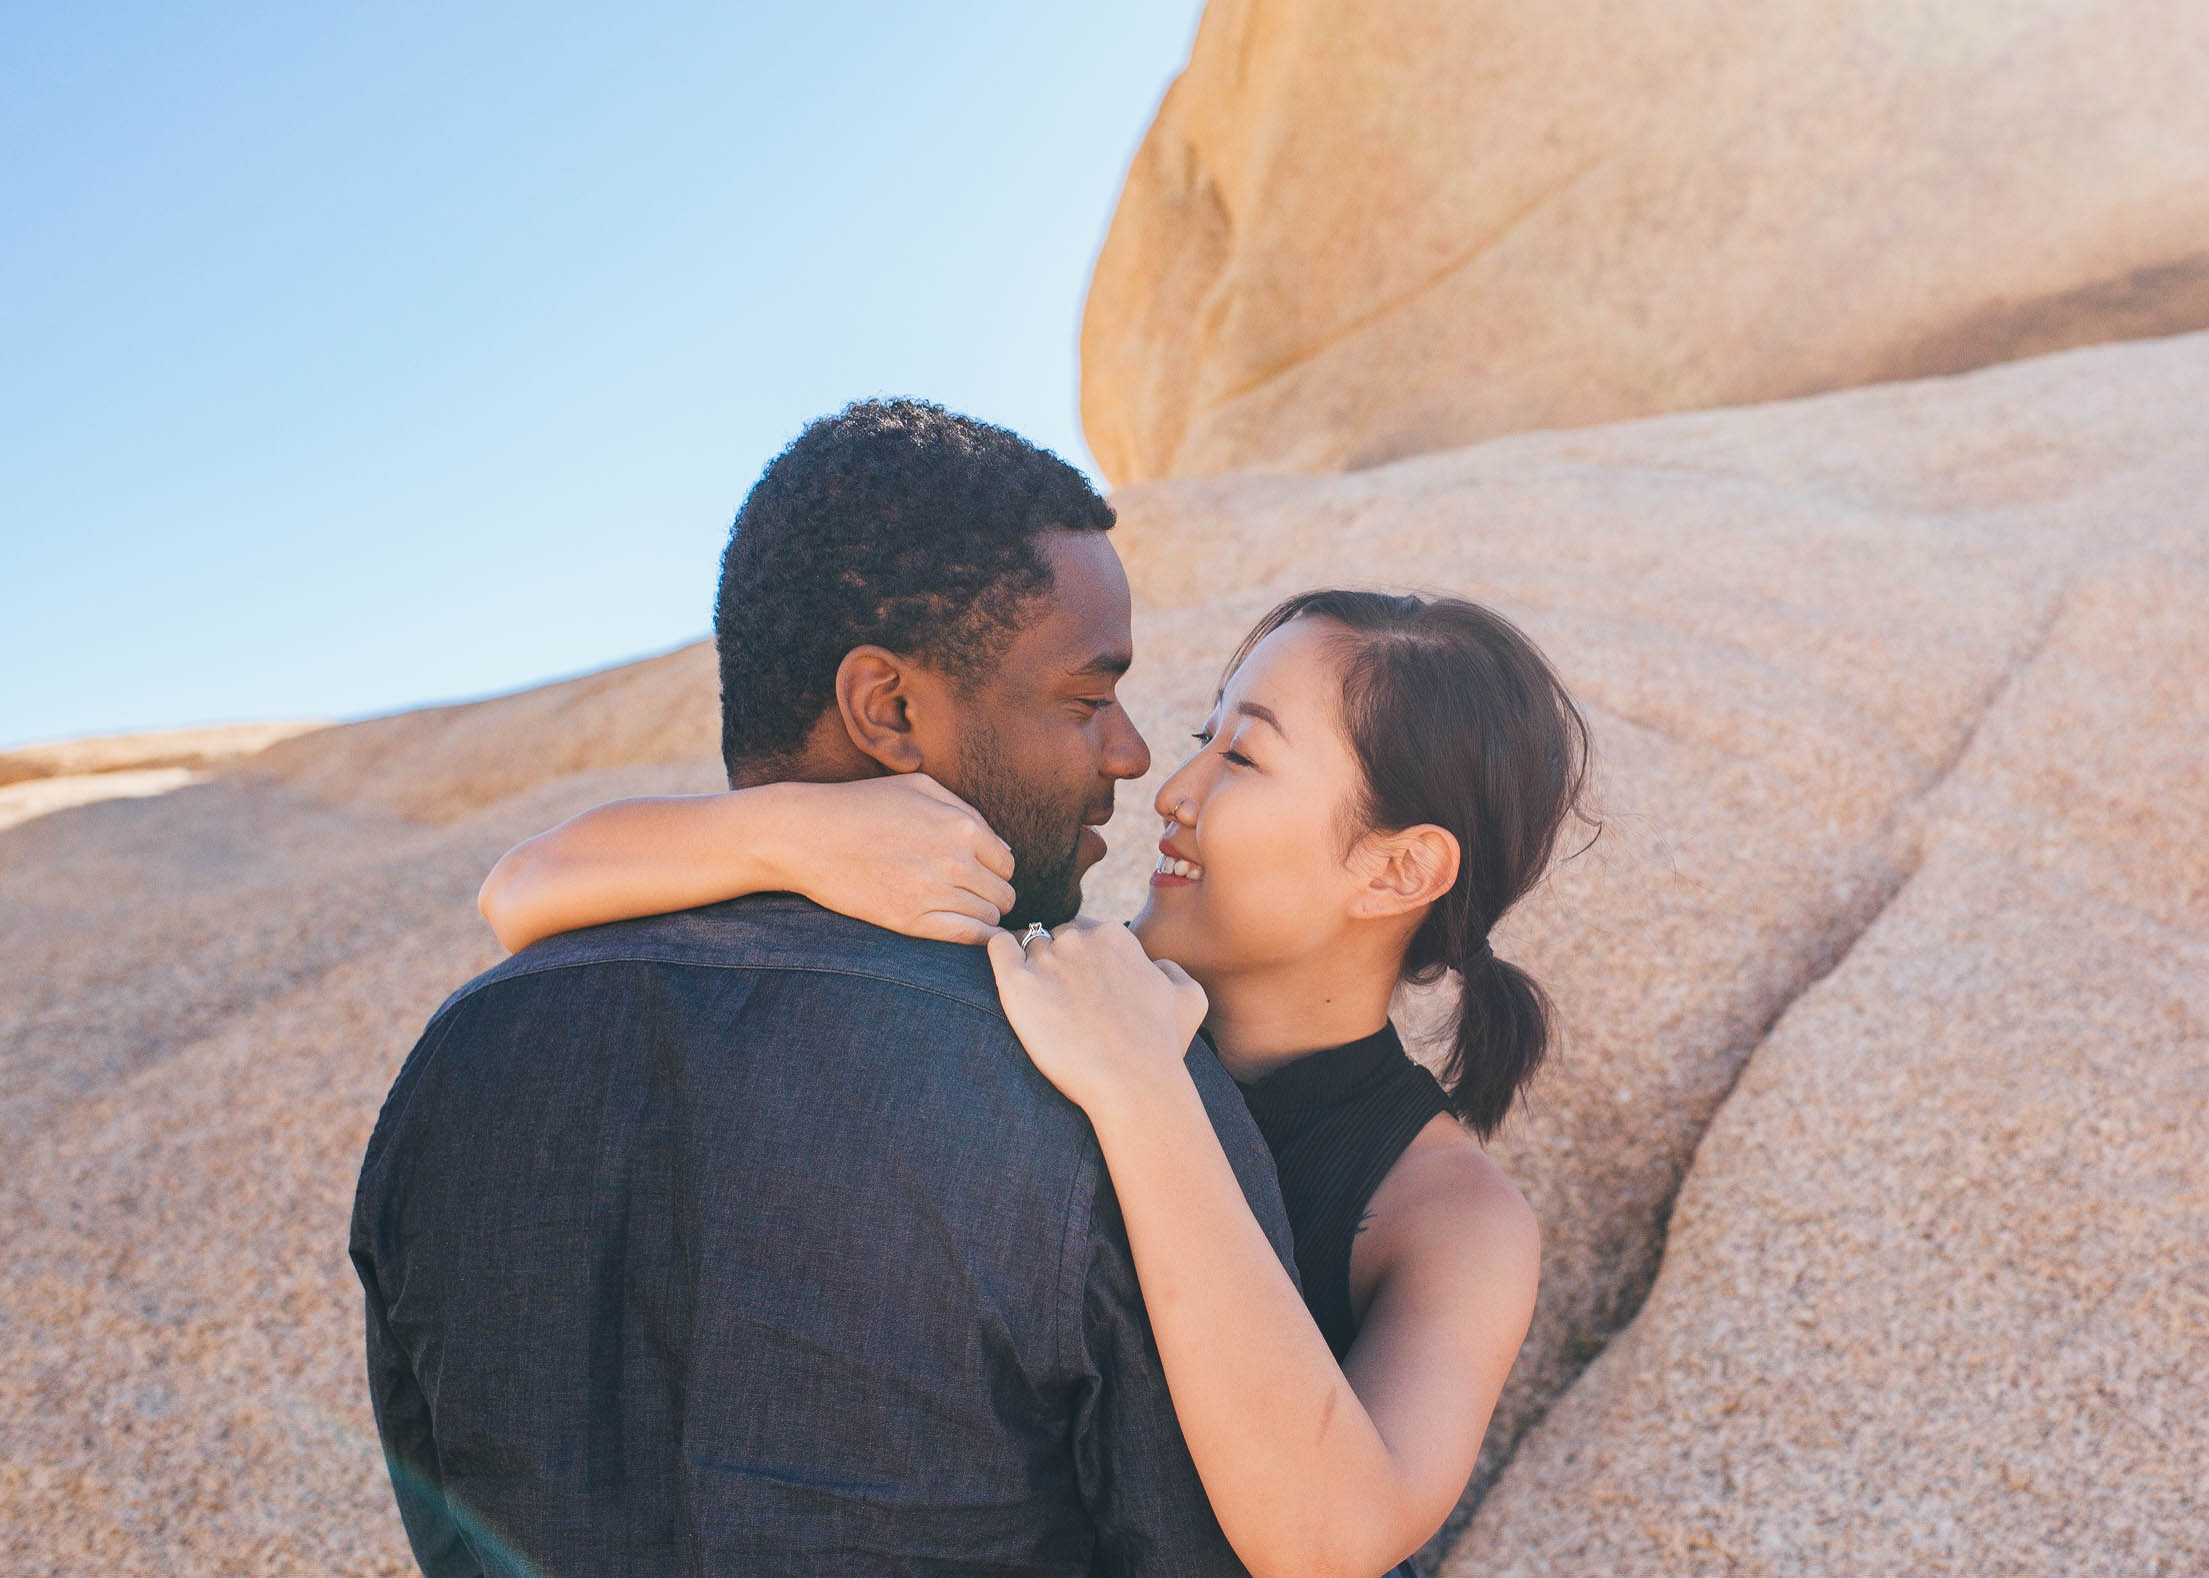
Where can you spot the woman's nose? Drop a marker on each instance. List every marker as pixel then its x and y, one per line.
pixel 1176 801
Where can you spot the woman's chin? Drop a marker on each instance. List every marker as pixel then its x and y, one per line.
pixel 1160 936
pixel 1157 933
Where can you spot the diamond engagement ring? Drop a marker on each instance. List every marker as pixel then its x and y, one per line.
pixel 1035 929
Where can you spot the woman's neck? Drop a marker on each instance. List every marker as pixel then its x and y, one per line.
pixel 1263 1022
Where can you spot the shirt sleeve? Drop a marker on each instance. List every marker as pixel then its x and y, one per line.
pixel 395 1391
pixel 1148 1505
pixel 1142 1490
pixel 410 1456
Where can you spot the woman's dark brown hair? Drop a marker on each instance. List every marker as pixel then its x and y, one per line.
pixel 1458 720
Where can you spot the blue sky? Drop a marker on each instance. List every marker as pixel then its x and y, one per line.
pixel 358 357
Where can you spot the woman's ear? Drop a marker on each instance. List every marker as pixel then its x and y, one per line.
pixel 873 694
pixel 1405 871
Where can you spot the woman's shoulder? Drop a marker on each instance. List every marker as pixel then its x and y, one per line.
pixel 1449 1211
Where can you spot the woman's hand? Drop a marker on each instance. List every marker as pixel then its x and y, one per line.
pixel 1101 1020
pixel 902 852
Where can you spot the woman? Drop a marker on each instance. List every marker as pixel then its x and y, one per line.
pixel 1381 779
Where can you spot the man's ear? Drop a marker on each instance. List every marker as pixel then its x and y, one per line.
pixel 874 695
pixel 1404 871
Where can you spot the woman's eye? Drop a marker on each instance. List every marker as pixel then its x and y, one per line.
pixel 1204 738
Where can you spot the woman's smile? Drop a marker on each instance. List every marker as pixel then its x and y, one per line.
pixel 1174 870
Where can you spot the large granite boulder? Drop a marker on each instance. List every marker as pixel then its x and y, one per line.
pixel 1362 229
pixel 1936 1294
pixel 1894 691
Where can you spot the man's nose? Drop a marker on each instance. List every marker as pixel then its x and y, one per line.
pixel 1126 755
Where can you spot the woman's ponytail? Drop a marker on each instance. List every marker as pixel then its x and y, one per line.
pixel 1498 1036
pixel 1458 721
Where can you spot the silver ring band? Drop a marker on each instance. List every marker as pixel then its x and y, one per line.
pixel 1035 929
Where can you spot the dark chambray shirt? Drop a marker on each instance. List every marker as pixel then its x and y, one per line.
pixel 748 1241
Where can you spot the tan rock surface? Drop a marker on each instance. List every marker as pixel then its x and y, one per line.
pixel 191 750
pixel 1790 625
pixel 442 762
pixel 1936 1296
pixel 1359 231
pixel 30 798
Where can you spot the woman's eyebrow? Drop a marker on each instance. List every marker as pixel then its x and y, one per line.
pixel 1251 709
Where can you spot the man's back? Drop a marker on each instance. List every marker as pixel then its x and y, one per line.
pixel 748 1240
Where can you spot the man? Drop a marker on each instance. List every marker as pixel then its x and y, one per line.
pixel 748 1240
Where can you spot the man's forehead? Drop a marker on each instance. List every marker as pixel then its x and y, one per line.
pixel 1108 663
pixel 1084 629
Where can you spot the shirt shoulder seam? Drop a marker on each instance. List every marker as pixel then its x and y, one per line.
pixel 499 977
pixel 396 1103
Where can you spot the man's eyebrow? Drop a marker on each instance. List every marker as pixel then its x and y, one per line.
pixel 1105 665
pixel 1251 709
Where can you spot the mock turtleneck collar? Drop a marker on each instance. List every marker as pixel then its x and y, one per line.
pixel 1322 1079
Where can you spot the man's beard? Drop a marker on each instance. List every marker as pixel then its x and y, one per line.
pixel 1045 836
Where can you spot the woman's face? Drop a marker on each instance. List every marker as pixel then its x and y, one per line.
pixel 1253 874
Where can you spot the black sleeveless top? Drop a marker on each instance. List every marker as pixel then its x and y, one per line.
pixel 1336 1122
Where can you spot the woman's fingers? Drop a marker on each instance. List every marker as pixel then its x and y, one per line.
pixel 1191 998
pixel 988 889
pixel 952 926
pixel 963 901
pixel 1102 945
pixel 1005 956
pixel 993 852
pixel 1088 952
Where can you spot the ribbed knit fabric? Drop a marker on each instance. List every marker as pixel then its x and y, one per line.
pixel 1336 1122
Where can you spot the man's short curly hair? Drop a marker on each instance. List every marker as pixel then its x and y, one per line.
pixel 893 523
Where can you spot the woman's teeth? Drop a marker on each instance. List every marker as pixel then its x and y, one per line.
pixel 1168 866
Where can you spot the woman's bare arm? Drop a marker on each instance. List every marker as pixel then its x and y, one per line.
pixel 1311 1471
pixel 902 852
